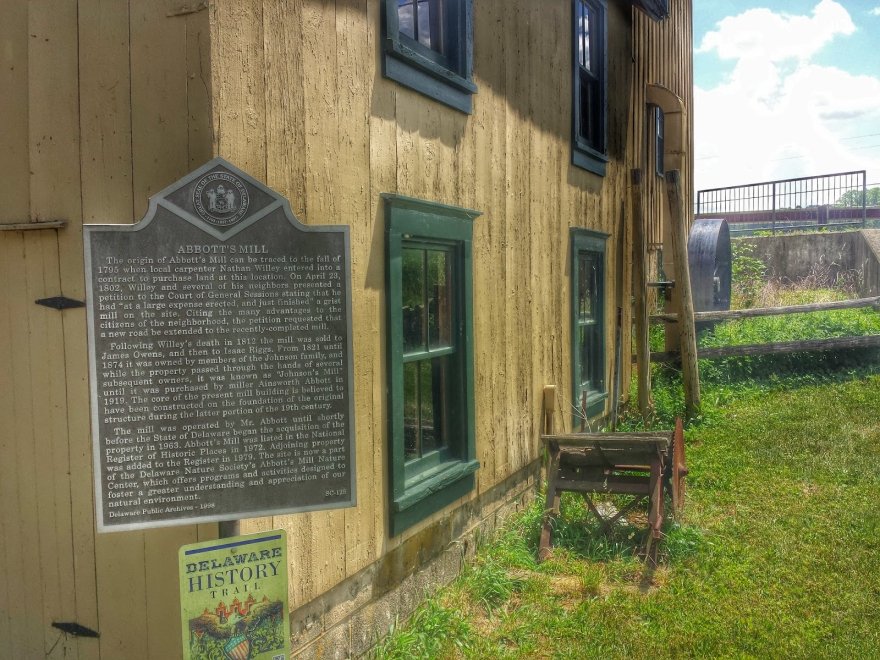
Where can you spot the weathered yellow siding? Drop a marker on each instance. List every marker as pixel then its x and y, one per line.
pixel 662 56
pixel 104 102
pixel 300 100
pixel 107 101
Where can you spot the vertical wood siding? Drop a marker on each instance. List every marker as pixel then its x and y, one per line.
pixel 299 98
pixel 104 103
pixel 662 56
pixel 111 100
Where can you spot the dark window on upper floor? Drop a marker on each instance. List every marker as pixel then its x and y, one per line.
pixel 428 47
pixel 590 102
pixel 658 140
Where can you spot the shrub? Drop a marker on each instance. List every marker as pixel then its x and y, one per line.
pixel 748 275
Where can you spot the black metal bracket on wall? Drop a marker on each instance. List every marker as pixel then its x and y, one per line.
pixel 75 629
pixel 60 302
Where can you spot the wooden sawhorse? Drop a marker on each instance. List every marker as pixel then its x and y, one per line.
pixel 640 464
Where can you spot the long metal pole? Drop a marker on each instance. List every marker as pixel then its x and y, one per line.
pixel 864 198
pixel 773 216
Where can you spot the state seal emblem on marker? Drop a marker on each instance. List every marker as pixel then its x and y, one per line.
pixel 220 199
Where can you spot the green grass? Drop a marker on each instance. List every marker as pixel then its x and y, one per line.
pixel 777 554
pixel 726 379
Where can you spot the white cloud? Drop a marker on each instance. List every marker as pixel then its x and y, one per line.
pixel 875 11
pixel 778 114
pixel 774 37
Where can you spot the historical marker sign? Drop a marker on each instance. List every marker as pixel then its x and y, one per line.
pixel 220 357
pixel 233 598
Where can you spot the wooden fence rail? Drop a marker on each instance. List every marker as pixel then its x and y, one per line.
pixel 868 341
pixel 731 314
pixel 834 343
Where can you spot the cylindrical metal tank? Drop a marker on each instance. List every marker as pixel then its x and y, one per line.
pixel 710 264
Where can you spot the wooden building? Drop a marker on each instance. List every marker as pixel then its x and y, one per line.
pixel 494 138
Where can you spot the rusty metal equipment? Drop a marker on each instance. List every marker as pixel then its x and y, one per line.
pixel 648 466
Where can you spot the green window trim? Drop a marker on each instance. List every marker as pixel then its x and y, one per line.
pixel 590 245
pixel 444 78
pixel 423 485
pixel 589 142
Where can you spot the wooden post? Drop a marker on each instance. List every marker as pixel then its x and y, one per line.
pixel 548 405
pixel 551 508
pixel 618 321
pixel 686 325
pixel 229 528
pixel 640 294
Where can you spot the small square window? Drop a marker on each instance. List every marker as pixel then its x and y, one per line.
pixel 428 48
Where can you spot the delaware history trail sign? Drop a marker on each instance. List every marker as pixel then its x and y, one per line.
pixel 220 358
pixel 233 598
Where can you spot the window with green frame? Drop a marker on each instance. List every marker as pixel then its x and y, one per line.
pixel 429 48
pixel 588 320
pixel 589 86
pixel 430 357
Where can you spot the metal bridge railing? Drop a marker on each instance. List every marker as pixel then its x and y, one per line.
pixel 814 202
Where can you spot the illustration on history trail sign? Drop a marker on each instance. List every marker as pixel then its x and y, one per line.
pixel 220 357
pixel 233 598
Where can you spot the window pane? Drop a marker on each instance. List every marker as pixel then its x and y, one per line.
pixel 589 368
pixel 428 24
pixel 425 405
pixel 589 110
pixel 584 37
pixel 591 375
pixel 429 429
pixel 439 299
pixel 658 146
pixel 405 18
pixel 413 280
pixel 584 349
pixel 597 371
pixel 425 23
pixel 411 422
pixel 586 286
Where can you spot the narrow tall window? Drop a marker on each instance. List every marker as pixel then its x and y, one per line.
pixel 589 86
pixel 658 141
pixel 430 357
pixel 588 320
pixel 428 48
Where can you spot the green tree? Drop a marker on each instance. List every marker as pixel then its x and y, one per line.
pixel 855 197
